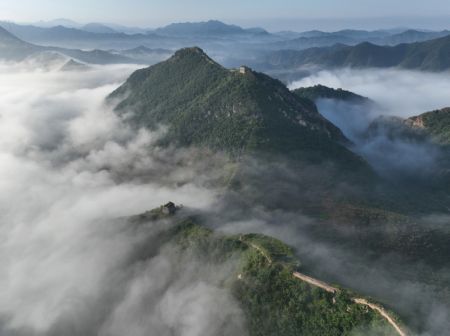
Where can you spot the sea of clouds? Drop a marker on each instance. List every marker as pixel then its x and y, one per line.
pixel 69 170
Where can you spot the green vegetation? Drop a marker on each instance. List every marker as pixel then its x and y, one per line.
pixel 204 104
pixel 273 301
pixel 320 91
pixel 431 55
pixel 283 156
pixel 435 123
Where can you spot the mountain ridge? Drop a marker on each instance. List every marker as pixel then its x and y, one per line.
pixel 13 48
pixel 237 110
pixel 433 55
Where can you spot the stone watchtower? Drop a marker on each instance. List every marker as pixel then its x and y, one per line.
pixel 243 70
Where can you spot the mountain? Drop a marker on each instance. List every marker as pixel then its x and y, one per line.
pixel 128 30
pixel 212 35
pixel 95 56
pixel 263 275
pixel 72 65
pixel 98 28
pixel 14 49
pixel 35 34
pixel 105 27
pixel 301 43
pixel 323 92
pixel 238 111
pixel 411 36
pixel 283 158
pixel 316 39
pixel 209 28
pixel 94 37
pixel 433 126
pixel 58 22
pixel 145 55
pixel 435 123
pixel 433 55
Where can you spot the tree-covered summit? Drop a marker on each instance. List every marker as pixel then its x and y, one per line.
pixel 237 111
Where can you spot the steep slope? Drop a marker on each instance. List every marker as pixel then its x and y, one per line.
pixel 146 55
pixel 273 299
pixel 14 49
pixel 433 126
pixel 72 65
pixel 433 55
pixel 204 104
pixel 412 36
pixel 323 92
pixel 434 123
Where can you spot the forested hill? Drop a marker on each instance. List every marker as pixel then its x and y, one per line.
pixel 237 111
pixel 433 55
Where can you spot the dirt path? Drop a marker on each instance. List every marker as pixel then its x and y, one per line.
pixel 360 301
pixel 259 249
pixel 317 283
pixel 382 312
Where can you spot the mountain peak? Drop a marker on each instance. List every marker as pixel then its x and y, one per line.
pixel 6 35
pixel 189 51
pixel 204 104
pixel 193 54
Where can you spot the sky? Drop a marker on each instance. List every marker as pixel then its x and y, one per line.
pixel 271 14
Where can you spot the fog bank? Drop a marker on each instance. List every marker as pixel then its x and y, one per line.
pixel 69 169
pixel 399 93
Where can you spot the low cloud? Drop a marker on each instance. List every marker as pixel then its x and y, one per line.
pixel 396 93
pixel 69 169
pixel 400 93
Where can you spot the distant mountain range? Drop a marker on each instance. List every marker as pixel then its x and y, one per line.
pixel 98 28
pixel 209 28
pixel 212 35
pixel 96 35
pixel 314 39
pixel 14 49
pixel 433 55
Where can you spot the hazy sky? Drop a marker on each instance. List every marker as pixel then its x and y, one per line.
pixel 272 14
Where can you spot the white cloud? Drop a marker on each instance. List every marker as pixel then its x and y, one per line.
pixel 68 169
pixel 400 92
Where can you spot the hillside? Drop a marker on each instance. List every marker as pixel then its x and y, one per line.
pixel 72 65
pixel 98 28
pixel 313 39
pixel 273 299
pixel 433 55
pixel 433 126
pixel 208 28
pixel 435 123
pixel 14 49
pixel 323 92
pixel 204 104
pixel 285 166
